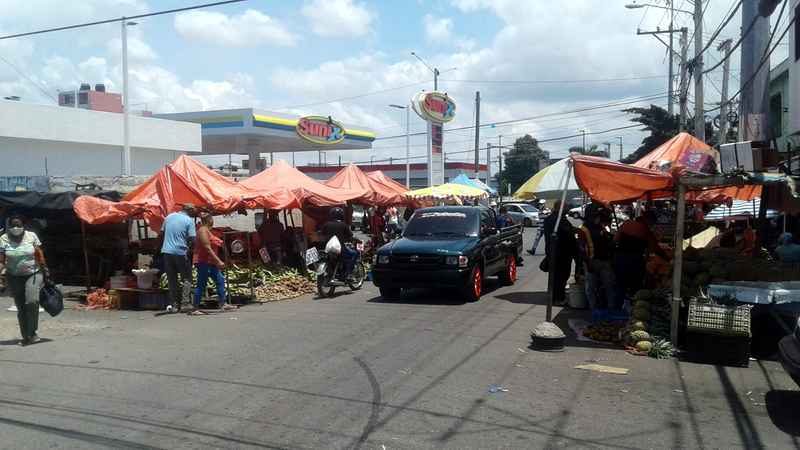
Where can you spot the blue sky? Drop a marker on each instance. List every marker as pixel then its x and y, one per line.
pixel 280 55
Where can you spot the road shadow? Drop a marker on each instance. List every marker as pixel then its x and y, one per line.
pixel 525 298
pixel 782 410
pixel 13 342
pixel 10 342
pixel 438 296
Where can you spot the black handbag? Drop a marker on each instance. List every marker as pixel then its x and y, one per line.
pixel 51 299
pixel 544 266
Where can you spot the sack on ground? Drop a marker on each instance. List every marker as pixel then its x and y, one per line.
pixel 51 299
pixel 333 246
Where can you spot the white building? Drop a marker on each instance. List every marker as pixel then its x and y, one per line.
pixel 41 140
pixel 794 70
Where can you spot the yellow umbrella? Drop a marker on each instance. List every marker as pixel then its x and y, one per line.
pixel 447 191
pixel 547 183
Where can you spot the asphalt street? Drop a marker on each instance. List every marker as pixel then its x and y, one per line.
pixel 358 372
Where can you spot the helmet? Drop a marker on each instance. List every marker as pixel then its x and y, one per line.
pixel 336 213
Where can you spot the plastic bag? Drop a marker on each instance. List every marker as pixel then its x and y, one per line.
pixel 51 299
pixel 333 246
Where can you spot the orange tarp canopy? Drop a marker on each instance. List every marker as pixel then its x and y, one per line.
pixel 723 194
pixel 183 181
pixel 610 181
pixel 388 182
pixel 374 192
pixel 305 188
pixel 682 150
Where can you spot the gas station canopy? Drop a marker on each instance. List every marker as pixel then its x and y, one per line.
pixel 249 131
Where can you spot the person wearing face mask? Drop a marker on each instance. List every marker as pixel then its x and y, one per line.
pixel 21 255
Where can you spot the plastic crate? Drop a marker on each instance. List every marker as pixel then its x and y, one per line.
pixel 717 349
pixel 155 300
pixel 719 319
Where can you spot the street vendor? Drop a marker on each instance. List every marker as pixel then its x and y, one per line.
pixel 563 254
pixel 206 259
pixel 596 250
pixel 271 232
pixel 634 240
pixel 377 225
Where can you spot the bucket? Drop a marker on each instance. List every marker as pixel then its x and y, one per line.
pixel 144 278
pixel 577 296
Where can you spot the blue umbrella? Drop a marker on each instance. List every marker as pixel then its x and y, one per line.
pixel 466 181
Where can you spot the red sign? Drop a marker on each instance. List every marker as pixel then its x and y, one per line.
pixel 320 130
pixel 434 107
pixel 436 138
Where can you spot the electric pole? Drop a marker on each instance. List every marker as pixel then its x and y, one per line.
pixel 670 93
pixel 477 131
pixel 755 86
pixel 725 47
pixel 620 147
pixel 699 114
pixel 683 97
pixel 488 162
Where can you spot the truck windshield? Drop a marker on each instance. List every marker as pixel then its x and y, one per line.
pixel 442 223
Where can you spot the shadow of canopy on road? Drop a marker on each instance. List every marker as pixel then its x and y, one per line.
pixel 526 298
pixel 782 410
pixel 438 296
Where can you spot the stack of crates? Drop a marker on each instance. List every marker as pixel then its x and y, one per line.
pixel 718 334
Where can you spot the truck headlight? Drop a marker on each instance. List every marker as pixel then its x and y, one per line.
pixel 460 261
pixel 383 259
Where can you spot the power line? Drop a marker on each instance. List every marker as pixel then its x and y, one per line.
pixel 719 28
pixel 597 80
pixel 764 59
pixel 101 22
pixel 736 45
pixel 22 74
pixel 353 97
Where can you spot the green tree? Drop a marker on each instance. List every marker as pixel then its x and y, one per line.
pixel 662 127
pixel 591 151
pixel 521 162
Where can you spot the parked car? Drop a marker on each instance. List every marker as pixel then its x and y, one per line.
pixel 523 213
pixel 789 350
pixel 448 247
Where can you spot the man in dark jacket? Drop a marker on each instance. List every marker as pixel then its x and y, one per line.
pixel 560 257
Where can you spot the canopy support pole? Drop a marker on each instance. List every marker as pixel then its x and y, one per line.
pixel 677 266
pixel 86 258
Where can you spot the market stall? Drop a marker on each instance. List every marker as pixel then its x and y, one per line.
pixel 373 192
pixel 447 193
pixel 548 183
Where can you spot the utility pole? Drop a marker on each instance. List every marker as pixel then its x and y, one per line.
pixel 725 47
pixel 488 162
pixel 477 132
pixel 699 114
pixel 608 149
pixel 126 101
pixel 684 86
pixel 620 147
pixel 754 97
pixel 670 81
pixel 500 165
pixel 583 134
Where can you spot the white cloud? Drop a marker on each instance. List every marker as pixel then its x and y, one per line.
pixel 249 29
pixel 438 30
pixel 338 18
pixel 138 50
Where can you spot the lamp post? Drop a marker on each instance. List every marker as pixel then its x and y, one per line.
pixel 408 146
pixel 126 139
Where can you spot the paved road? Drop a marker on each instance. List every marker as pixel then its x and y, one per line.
pixel 360 373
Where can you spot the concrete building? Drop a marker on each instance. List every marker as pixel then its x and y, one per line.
pixel 96 99
pixel 419 172
pixel 41 140
pixel 794 71
pixel 779 94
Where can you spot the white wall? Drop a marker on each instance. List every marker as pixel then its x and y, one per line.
pixel 56 123
pixel 26 157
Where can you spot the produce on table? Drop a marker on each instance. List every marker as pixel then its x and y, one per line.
pixel 603 331
pixel 661 349
pixel 270 283
pixel 644 346
pixel 638 325
pixel 98 299
pixel 640 335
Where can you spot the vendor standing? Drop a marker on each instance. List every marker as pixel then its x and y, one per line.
pixel 271 233
pixel 596 244
pixel 206 259
pixel 634 239
pixel 563 254
pixel 21 255
pixel 178 234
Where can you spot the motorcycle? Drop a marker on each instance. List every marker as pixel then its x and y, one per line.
pixel 330 271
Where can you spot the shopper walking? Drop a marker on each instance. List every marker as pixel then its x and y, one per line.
pixel 178 234
pixel 21 255
pixel 208 263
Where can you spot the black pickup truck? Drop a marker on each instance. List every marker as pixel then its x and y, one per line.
pixel 449 247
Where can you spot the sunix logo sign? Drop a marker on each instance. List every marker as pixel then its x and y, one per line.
pixel 320 130
pixel 434 107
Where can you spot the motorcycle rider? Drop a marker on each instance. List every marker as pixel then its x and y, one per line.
pixel 335 226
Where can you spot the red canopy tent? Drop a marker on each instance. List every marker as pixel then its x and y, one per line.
pixel 375 192
pixel 610 181
pixel 682 150
pixel 387 181
pixel 182 181
pixel 306 189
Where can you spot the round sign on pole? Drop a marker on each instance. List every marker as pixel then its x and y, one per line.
pixel 434 107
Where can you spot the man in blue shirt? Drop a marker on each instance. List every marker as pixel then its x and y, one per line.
pixel 178 234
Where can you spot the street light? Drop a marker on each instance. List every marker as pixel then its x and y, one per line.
pixel 650 5
pixel 408 146
pixel 126 144
pixel 434 70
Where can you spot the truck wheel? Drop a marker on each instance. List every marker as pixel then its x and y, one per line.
pixel 474 288
pixel 509 276
pixel 390 293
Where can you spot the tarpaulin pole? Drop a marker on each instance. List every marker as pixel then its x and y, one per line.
pixel 86 258
pixel 677 263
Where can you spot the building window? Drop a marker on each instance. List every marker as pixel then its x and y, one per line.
pixel 83 98
pixel 776 115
